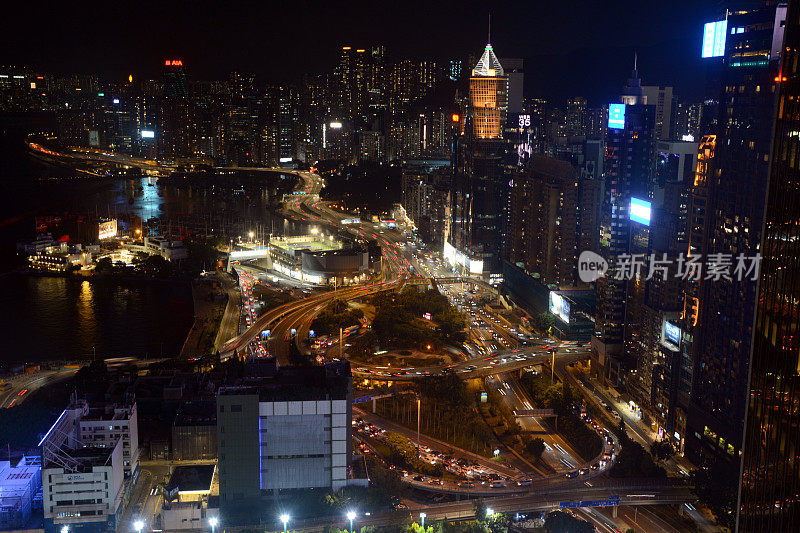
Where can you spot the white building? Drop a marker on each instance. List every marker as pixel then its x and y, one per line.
pixel 84 493
pixel 90 461
pixel 103 426
pixel 171 250
pixel 19 486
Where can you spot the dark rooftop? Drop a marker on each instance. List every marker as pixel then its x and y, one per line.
pixel 331 381
pixel 191 478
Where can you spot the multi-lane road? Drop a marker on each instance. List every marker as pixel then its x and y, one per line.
pixel 21 387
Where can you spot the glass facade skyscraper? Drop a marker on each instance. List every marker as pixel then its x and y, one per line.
pixel 771 465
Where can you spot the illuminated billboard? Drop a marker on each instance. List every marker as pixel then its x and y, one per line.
pixel 107 229
pixel 559 306
pixel 616 116
pixel 714 34
pixel 672 333
pixel 148 134
pixel 640 211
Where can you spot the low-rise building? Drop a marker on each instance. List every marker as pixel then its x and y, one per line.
pixel 320 260
pixel 85 456
pixel 194 432
pixel 20 485
pixel 102 426
pixel 169 249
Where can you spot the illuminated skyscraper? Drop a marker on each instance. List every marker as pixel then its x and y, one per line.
pixel 736 189
pixel 487 94
pixel 480 181
pixel 771 481
pixel 173 132
pixel 628 167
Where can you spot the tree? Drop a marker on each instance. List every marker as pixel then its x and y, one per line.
pixel 535 447
pixel 545 321
pixel 662 450
pixel 716 485
pixel 560 522
pixel 104 266
pixel 480 510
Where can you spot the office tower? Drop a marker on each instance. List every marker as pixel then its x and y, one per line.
pixel 173 115
pixel 480 184
pixel 629 156
pixel 770 481
pixel 488 96
pixel 736 188
pixel 283 429
pixel 664 102
pixel 514 70
pixel 576 116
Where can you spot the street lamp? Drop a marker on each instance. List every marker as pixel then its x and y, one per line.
pixel 213 521
pixel 284 518
pixel 489 512
pixel 251 236
pixel 138 526
pixel 422 519
pixel 351 515
pixel 64 529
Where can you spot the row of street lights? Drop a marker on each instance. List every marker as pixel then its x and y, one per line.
pixel 213 521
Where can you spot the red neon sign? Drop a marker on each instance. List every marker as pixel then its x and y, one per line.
pixel 173 63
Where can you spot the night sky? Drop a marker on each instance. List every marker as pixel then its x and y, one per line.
pixel 571 47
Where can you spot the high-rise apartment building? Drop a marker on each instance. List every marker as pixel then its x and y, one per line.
pixel 554 211
pixel 576 116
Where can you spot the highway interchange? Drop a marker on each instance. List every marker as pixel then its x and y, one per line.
pixel 404 263
pixel 496 353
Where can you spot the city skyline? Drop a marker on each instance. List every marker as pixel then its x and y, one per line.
pixel 364 265
pixel 565 52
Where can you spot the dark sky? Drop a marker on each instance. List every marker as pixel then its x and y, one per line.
pixel 571 47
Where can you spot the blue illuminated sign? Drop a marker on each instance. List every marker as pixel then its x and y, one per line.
pixel 640 211
pixel 616 116
pixel 714 34
pixel 672 333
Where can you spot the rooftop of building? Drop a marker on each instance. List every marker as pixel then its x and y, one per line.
pixel 84 459
pixel 488 64
pixel 14 479
pixel 299 383
pixel 311 245
pixel 192 478
pixel 202 413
